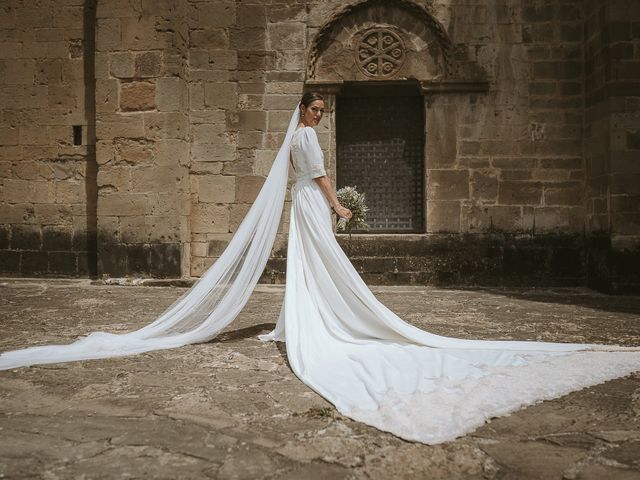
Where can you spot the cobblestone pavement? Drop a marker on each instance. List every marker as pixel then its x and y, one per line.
pixel 232 408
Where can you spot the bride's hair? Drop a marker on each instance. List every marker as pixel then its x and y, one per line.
pixel 310 97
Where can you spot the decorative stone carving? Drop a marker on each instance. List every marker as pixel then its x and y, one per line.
pixel 380 52
pixel 350 47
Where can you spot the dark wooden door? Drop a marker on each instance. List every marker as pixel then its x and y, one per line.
pixel 380 149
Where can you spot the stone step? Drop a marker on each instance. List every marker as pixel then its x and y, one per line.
pixel 498 259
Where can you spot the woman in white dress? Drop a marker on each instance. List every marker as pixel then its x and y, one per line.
pixel 341 341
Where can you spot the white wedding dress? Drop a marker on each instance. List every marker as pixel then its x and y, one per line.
pixel 341 341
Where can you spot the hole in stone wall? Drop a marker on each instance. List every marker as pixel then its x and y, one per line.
pixel 77 134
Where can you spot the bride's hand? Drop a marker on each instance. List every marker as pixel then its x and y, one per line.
pixel 343 212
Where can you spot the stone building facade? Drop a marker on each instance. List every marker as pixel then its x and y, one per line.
pixel 135 134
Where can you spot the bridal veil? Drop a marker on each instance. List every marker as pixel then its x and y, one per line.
pixel 211 304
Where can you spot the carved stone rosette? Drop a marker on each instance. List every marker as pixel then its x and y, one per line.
pixel 380 52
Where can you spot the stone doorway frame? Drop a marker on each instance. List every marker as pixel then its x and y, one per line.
pixel 432 62
pixel 430 91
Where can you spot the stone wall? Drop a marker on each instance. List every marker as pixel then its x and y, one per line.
pixel 597 143
pixel 142 138
pixel 611 147
pixel 514 158
pixel 509 159
pixel 622 37
pixel 505 157
pixel 531 118
pixel 47 190
pixel 246 70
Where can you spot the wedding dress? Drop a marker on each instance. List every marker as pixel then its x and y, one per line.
pixel 341 341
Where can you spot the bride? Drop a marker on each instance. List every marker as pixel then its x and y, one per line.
pixel 341 341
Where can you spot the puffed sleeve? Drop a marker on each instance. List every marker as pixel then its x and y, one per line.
pixel 311 150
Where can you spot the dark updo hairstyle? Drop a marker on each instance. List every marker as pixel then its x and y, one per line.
pixel 309 97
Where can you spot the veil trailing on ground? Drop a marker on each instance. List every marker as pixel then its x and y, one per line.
pixel 211 304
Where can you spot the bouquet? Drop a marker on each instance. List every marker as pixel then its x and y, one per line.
pixel 350 198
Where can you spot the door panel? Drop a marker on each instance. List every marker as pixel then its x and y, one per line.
pixel 380 149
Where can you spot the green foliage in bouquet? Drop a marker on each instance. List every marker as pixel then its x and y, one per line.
pixel 350 198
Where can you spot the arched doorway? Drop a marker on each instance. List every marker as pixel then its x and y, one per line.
pixel 394 57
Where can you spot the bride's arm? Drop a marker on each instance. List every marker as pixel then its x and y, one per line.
pixel 310 148
pixel 325 185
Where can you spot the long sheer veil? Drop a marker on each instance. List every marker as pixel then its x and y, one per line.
pixel 211 304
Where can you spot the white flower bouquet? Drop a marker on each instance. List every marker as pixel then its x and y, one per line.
pixel 350 198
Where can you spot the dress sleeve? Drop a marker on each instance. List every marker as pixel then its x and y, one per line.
pixel 313 153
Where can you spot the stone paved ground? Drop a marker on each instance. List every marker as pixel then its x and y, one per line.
pixel 232 409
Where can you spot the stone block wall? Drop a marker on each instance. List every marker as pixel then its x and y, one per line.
pixel 142 138
pixel 597 141
pixel 246 70
pixel 47 181
pixel 622 36
pixel 510 159
pixel 611 149
pixel 531 118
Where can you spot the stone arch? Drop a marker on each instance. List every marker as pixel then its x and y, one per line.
pixel 429 55
pixel 425 38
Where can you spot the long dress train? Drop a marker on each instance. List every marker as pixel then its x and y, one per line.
pixel 376 368
pixel 341 341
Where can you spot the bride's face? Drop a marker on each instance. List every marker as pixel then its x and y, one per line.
pixel 312 114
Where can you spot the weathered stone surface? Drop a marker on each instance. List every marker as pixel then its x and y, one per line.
pixel 248 120
pixel 442 147
pixel 124 204
pixel 248 38
pixel 208 409
pixel 171 152
pixel 132 152
pixel 137 96
pixel 448 184
pixel 212 15
pixel 207 218
pixel 563 194
pixel 247 188
pixel 564 219
pixel 121 64
pixel 553 128
pixel 108 34
pixel 155 179
pixel 119 126
pixel 220 95
pixel 212 152
pixel 171 94
pixel 490 218
pixel 520 193
pixel 148 64
pixel 165 125
pixel 286 36
pixel 214 39
pixel 443 216
pixel 214 189
pixel 140 33
pixel 484 185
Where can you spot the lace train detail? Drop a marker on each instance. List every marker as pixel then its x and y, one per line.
pixel 455 407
